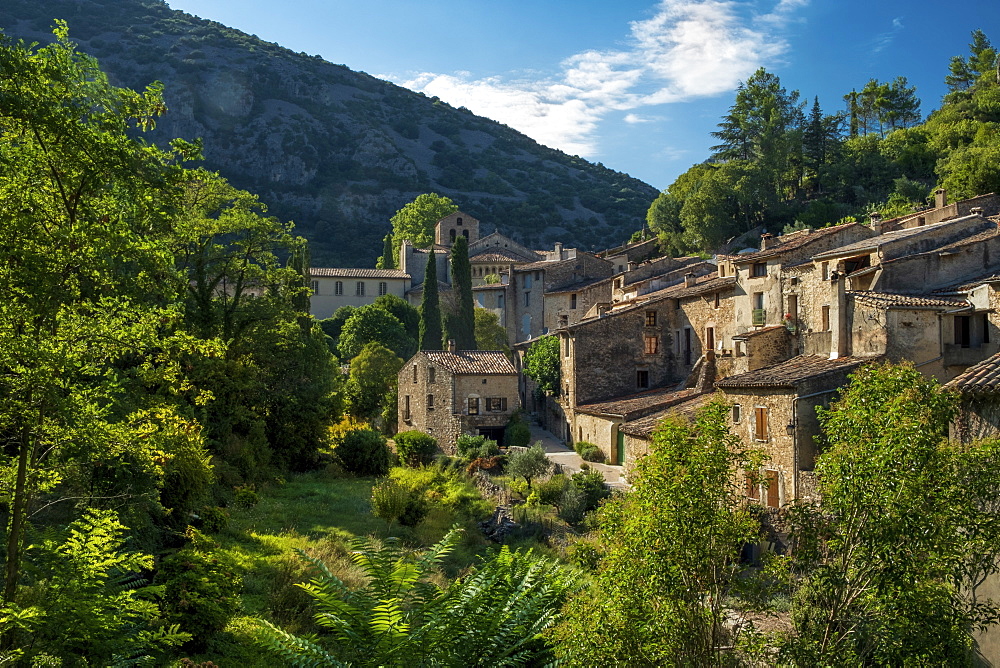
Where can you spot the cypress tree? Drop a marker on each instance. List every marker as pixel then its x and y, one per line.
pixel 430 309
pixel 462 327
pixel 388 259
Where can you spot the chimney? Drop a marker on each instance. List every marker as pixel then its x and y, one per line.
pixel 976 211
pixel 451 345
pixel 632 266
pixel 940 198
pixel 689 280
pixel 767 240
pixel 558 250
pixel 875 218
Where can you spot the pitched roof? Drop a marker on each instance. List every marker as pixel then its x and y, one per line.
pixel 497 255
pixel 981 378
pixel 327 272
pixel 634 404
pixel 644 427
pixel 873 243
pixel 790 242
pixel 575 287
pixel 472 361
pixel 968 284
pixel 888 300
pixel 791 372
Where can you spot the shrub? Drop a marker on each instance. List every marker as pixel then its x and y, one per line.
pixel 491 465
pixel 528 464
pixel 589 452
pixel 517 434
pixel 475 447
pixel 389 500
pixel 415 448
pixel 363 452
pixel 246 497
pixel 214 519
pixel 591 484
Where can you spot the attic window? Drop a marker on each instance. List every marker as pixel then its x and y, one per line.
pixel 459 222
pixel 759 269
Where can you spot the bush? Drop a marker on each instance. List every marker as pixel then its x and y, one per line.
pixel 476 447
pixel 214 519
pixel 415 448
pixel 491 465
pixel 528 464
pixel 246 497
pixel 589 452
pixel 591 484
pixel 517 435
pixel 363 452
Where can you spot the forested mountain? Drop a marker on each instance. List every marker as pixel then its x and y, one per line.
pixel 782 162
pixel 334 150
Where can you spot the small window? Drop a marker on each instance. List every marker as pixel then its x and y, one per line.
pixel 572 301
pixel 315 287
pixel 651 344
pixel 722 271
pixel 825 314
pixel 430 402
pixel 406 408
pixel 359 289
pixel 414 373
pixel 717 300
pixel 431 374
pixel 338 288
pixel 737 409
pixel 451 235
pixel 642 378
pixel 496 404
pixel 465 233
pixel 473 405
pixel 538 275
pixel 759 269
pixel 527 299
pixel 826 271
pixel 527 281
pixel 760 427
pixel 458 221
pixel 650 318
pixel 383 288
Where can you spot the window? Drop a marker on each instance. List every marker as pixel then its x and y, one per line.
pixel 773 500
pixel 759 315
pixel 651 344
pixel 473 405
pixel 359 289
pixel 572 301
pixel 759 269
pixel 406 408
pixel 430 402
pixel 496 404
pixel 722 271
pixel 538 275
pixel 717 302
pixel 527 299
pixel 753 488
pixel 414 373
pixel 962 331
pixel 760 423
pixel 500 300
pixel 642 378
pixel 451 235
pixel 737 413
pixel 458 221
pixel 465 233
pixel 826 271
pixel 383 288
pixel 338 288
pixel 825 316
pixel 527 281
pixel 650 318
pixel 315 287
pixel 710 338
pixel 430 374
pixel 566 347
pixel 986 328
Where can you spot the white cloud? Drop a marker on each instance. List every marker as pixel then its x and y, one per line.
pixel 885 39
pixel 686 50
pixel 633 119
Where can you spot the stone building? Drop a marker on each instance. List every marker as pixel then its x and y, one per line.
pixel 774 409
pixel 456 225
pixel 978 387
pixel 450 393
pixel 333 288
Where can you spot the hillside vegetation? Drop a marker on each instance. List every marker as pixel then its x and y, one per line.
pixel 336 151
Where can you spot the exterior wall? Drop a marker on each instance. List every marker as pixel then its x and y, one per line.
pixel 558 309
pixel 805 286
pixel 699 313
pixel 930 271
pixel 528 316
pixel 414 262
pixel 463 225
pixel 748 286
pixel 636 447
pixel 599 430
pixel 778 446
pixel 324 301
pixel 978 419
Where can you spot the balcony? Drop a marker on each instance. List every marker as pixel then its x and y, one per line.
pixel 759 317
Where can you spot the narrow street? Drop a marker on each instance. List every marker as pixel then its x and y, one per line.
pixel 557 451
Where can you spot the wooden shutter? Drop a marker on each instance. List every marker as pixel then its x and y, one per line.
pixel 760 413
pixel 772 489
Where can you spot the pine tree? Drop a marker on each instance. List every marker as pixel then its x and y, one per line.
pixel 461 327
pixel 430 308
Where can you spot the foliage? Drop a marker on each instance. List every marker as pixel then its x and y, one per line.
pixel 473 447
pixel 430 308
pixel 892 556
pixel 494 616
pixel 490 334
pixel 517 434
pixel 594 489
pixel 415 221
pixel 671 555
pixel 201 590
pixel 406 314
pixel 589 452
pixel 528 464
pixel 90 601
pixel 439 486
pixel 390 501
pixel 461 323
pixel 363 452
pixel 415 448
pixel 373 324
pixel 372 381
pixel 541 364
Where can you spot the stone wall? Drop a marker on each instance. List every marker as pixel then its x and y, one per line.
pixel 461 223
pixel 600 430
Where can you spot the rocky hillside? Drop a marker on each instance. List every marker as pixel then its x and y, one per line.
pixel 337 151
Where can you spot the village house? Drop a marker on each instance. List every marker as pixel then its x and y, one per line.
pixel 450 393
pixel 978 388
pixel 333 288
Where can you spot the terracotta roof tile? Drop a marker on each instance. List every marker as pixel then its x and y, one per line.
pixel 981 378
pixel 472 361
pixel 791 372
pixel 890 300
pixel 789 242
pixel 326 272
pixel 635 404
pixel 498 255
pixel 645 426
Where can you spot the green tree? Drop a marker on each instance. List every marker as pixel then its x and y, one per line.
pixel 373 324
pixel 964 73
pixel 462 322
pixel 387 260
pixel 887 555
pixel 406 314
pixel 415 448
pixel 363 452
pixel 528 464
pixel 430 308
pixel 372 381
pixel 541 364
pixel 490 334
pixel 415 221
pixel 670 579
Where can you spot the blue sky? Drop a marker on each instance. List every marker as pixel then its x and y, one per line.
pixel 635 85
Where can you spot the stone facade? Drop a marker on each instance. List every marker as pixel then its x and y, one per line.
pixel 455 225
pixel 447 394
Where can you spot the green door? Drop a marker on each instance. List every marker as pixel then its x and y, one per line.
pixel 620 449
